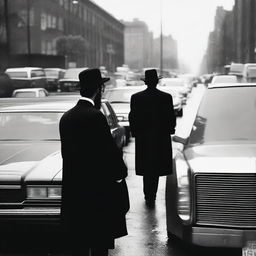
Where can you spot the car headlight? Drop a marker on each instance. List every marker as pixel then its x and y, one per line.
pixel 182 172
pixel 40 192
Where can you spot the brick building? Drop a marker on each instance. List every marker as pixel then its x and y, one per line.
pixel 37 33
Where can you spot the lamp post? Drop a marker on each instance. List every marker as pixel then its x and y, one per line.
pixel 161 40
pixel 28 32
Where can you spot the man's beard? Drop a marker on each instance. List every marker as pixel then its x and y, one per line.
pixel 97 100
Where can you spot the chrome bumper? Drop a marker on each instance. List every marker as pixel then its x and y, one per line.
pixel 220 237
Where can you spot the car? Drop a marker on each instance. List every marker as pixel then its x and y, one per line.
pixel 70 82
pixel 249 72
pixel 31 166
pixel 224 79
pixel 237 70
pixel 120 97
pixel 30 93
pixel 53 75
pixel 211 195
pixel 176 84
pixel 27 77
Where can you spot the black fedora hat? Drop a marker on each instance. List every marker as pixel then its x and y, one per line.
pixel 151 75
pixel 92 77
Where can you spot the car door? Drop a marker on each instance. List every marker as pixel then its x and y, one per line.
pixel 117 131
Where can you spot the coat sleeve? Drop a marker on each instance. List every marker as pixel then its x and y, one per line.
pixel 132 117
pixel 172 116
pixel 114 163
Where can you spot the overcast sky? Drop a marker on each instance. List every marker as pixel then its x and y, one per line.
pixel 188 21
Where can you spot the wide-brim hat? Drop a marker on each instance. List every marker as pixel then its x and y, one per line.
pixel 151 74
pixel 92 77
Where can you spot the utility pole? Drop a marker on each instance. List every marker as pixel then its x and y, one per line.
pixel 28 33
pixel 7 30
pixel 161 40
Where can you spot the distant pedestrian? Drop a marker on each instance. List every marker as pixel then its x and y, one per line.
pixel 152 121
pixel 93 171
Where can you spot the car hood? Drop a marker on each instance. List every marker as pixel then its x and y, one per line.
pixel 234 158
pixel 121 108
pixel 29 161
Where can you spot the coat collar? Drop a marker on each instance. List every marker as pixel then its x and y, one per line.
pixel 84 103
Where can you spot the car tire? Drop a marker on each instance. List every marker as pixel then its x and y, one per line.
pixel 174 240
pixel 180 113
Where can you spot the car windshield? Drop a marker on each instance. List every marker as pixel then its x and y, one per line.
pixel 21 126
pixel 120 96
pixel 18 74
pixel 52 73
pixel 73 73
pixel 24 94
pixel 226 115
pixel 172 82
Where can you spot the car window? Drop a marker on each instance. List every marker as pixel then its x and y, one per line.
pixel 226 114
pixel 37 73
pixel 20 126
pixel 107 114
pixel 42 93
pixel 73 73
pixel 122 96
pixel 24 94
pixel 18 74
pixel 52 73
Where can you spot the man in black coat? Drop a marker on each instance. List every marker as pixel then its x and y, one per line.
pixel 93 167
pixel 152 121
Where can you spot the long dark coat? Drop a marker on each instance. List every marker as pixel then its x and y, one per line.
pixel 92 164
pixel 152 121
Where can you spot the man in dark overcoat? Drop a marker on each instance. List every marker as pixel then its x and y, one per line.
pixel 152 121
pixel 92 168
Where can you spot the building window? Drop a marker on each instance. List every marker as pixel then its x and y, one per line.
pixel 54 22
pixel 49 48
pixel 43 21
pixel 43 47
pixel 49 21
pixel 61 24
pixel 61 2
pixel 66 4
pixel 85 14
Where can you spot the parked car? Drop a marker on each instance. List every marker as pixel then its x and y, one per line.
pixel 53 75
pixel 70 82
pixel 27 77
pixel 6 85
pixel 31 167
pixel 211 195
pixel 30 93
pixel 249 72
pixel 237 70
pixel 224 79
pixel 120 97
pixel 178 85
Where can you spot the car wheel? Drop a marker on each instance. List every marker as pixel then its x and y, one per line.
pixel 180 113
pixel 174 240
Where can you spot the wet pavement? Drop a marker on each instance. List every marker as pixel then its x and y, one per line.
pixel 147 234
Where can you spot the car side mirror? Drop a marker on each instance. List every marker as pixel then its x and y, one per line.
pixel 178 139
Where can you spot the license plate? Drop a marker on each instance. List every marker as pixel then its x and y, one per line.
pixel 249 249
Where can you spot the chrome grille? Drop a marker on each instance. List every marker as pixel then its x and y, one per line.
pixel 11 194
pixel 226 199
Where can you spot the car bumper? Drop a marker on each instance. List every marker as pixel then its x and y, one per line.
pixel 219 237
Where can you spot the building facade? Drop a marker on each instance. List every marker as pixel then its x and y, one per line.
pixel 50 20
pixel 170 53
pixel 138 44
pixel 233 37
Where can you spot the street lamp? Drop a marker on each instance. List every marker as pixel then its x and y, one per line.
pixel 161 40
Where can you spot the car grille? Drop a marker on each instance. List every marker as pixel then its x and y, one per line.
pixel 226 200
pixel 11 194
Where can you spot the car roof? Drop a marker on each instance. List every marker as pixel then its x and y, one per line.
pixel 47 104
pixel 138 87
pixel 22 69
pixel 29 89
pixel 222 85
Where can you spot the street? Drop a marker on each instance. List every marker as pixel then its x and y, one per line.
pixel 146 227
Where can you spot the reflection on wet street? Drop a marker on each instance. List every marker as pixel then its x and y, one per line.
pixel 147 234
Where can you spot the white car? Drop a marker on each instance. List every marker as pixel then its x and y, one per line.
pixel 224 79
pixel 30 93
